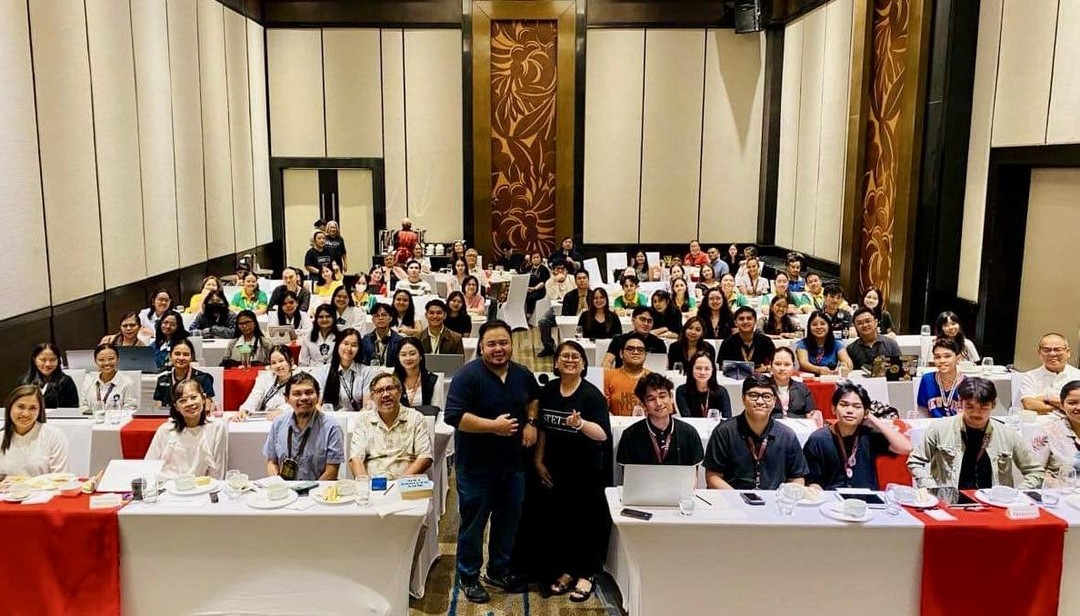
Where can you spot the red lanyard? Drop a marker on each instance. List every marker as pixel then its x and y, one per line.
pixel 848 460
pixel 661 451
pixel 758 453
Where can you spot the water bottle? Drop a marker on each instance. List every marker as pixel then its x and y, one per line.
pixel 924 344
pixel 112 410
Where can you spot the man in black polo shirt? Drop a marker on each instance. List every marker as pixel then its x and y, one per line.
pixel 869 344
pixel 747 344
pixel 494 404
pixel 642 321
pixel 660 438
pixel 838 317
pixel 753 451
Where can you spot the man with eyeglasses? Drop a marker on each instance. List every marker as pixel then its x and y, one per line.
pixel 843 455
pixel 1040 388
pixel 642 322
pixel 870 344
pixel 754 451
pixel 660 438
pixel 620 383
pixel 303 443
pixel 391 440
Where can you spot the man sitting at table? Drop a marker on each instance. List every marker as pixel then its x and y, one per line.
pixel 746 344
pixel 574 302
pixel 620 384
pixel 870 344
pixel 660 438
pixel 843 455
pixel 436 338
pixel 695 257
pixel 1039 388
pixel 391 440
pixel 380 346
pixel 642 322
pixel 968 451
pixel 754 451
pixel 835 313
pixel 303 443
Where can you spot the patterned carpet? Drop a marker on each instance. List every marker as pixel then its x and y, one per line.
pixel 442 597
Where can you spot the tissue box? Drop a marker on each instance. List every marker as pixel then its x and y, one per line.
pixel 415 488
pixel 1023 512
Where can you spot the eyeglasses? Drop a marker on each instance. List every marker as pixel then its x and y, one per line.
pixel 569 357
pixel 1053 350
pixel 242 323
pixel 634 349
pixel 754 396
pixel 389 389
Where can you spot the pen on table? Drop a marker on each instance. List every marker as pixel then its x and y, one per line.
pixel 702 499
pixel 390 488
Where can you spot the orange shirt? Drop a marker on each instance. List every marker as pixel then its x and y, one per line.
pixel 619 391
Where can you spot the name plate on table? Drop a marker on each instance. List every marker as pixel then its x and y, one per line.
pixel 416 488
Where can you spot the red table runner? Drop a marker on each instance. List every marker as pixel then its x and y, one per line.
pixel 822 392
pixel 294 348
pixel 893 468
pixel 238 384
pixel 59 558
pixel 136 435
pixel 984 563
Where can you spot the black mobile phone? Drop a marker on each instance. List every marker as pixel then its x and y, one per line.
pixel 869 499
pixel 1033 495
pixel 753 499
pixel 634 513
pixel 304 487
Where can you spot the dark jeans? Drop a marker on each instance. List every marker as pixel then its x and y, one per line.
pixel 547 323
pixel 497 495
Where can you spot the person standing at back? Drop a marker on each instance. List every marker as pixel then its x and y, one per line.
pixel 494 404
pixel 404 240
pixel 336 244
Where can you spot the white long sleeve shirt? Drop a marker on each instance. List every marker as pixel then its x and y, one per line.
pixel 42 450
pixel 195 451
pixel 121 387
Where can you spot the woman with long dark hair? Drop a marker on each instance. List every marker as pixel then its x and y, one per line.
pixel 29 446
pixel 267 397
pixel 168 331
pixel 599 321
pixel 947 325
pixel 457 317
pixel 192 443
pixel 316 347
pixel 716 318
pixel 247 340
pixel 667 320
pixel 417 382
pixel 345 379
pixel 45 371
pixel 161 302
pixel 820 352
pixel 778 323
pixel 681 298
pixel 872 299
pixel 289 313
pixel 691 343
pixel 404 314
pixel 346 314
pixel 214 319
pixel 701 391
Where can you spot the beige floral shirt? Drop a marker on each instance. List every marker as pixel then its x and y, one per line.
pixel 390 450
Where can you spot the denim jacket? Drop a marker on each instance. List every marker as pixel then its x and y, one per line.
pixel 936 461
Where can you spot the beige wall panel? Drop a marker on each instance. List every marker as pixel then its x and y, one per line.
pixel 116 127
pixel 217 158
pixel 300 189
pixel 432 61
pixel 236 71
pixel 22 235
pixel 806 183
pixel 357 215
pixel 296 92
pixel 66 132
pixel 614 82
pixel 1063 125
pixel 260 137
pixel 187 131
pixel 1052 221
pixel 671 141
pixel 393 105
pixel 152 79
pixel 982 120
pixel 1024 72
pixel 836 72
pixel 353 74
pixel 790 101
pixel 731 148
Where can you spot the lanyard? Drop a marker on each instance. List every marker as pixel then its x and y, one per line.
pixel 847 459
pixel 435 341
pixel 348 379
pixel 661 448
pixel 108 391
pixel 269 395
pixel 303 440
pixel 747 356
pixel 758 453
pixel 705 405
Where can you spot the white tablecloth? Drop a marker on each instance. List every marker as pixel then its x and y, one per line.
pixel 329 559
pixel 737 559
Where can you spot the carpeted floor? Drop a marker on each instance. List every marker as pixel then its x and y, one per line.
pixel 442 597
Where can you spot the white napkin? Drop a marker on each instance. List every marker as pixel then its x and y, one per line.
pixel 940 515
pixel 384 507
pixel 39 498
pixel 302 504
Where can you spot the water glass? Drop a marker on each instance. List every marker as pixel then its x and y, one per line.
pixel 925 330
pixel 678 367
pixel 686 506
pixel 1014 419
pixel 785 502
pixel 714 414
pixel 892 498
pixel 99 416
pixel 987 362
pixel 1051 498
pixel 578 333
pixel 150 489
pixel 113 416
pixel 638 411
pixel 912 415
pixel 328 408
pixel 363 490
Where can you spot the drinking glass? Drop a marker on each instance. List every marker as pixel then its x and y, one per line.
pixel 1014 418
pixel 578 332
pixel 925 330
pixel 892 498
pixel 1050 498
pixel 678 367
pixel 99 415
pixel 638 411
pixel 714 414
pixel 150 489
pixel 363 490
pixel 113 416
pixel 785 502
pixel 987 362
pixel 686 505
pixel 328 408
pixel 235 481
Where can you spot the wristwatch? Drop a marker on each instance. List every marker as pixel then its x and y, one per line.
pixel 531 422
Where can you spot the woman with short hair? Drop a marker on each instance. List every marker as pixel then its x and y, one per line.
pixel 192 443
pixel 250 296
pixel 106 385
pixel 181 355
pixel 793 398
pixel 128 336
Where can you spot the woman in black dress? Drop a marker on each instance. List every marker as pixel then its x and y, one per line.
pixel 457 317
pixel 716 316
pixel 573 463
pixel 46 372
pixel 599 321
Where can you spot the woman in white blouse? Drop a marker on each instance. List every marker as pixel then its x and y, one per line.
pixel 267 397
pixel 417 384
pixel 30 447
pixel 190 444
pixel 107 385
pixel 346 315
pixel 316 347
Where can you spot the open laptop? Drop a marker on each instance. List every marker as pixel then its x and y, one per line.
pixel 66 413
pixel 280 334
pixel 138 358
pixel 656 362
pixel 447 365
pixel 152 412
pixel 81 360
pixel 654 485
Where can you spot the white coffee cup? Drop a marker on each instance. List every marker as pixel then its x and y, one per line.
pixel 793 491
pixel 345 487
pixel 854 507
pixel 184 483
pixel 277 491
pixel 20 491
pixel 1003 494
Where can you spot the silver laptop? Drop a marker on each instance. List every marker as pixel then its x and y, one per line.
pixel 138 358
pixel 655 485
pixel 66 413
pixel 447 365
pixel 656 362
pixel 280 334
pixel 81 360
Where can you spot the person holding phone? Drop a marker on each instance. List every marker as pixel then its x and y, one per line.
pixel 754 451
pixel 843 455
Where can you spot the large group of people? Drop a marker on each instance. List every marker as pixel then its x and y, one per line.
pixel 527 454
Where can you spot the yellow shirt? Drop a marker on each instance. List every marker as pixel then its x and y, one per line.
pixel 328 290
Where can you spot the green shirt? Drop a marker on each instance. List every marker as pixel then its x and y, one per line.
pixel 241 302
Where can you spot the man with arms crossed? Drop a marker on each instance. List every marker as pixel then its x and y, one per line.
pixel 1039 388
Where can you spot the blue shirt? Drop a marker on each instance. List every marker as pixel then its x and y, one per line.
pixel 325 444
pixel 827 466
pixel 827 358
pixel 930 397
pixel 477 390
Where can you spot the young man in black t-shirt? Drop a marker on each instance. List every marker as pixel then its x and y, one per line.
pixel 660 438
